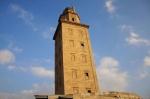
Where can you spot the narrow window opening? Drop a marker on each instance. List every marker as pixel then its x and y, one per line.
pixel 89 91
pixel 71 43
pixel 72 57
pixel 74 74
pixel 86 75
pixel 82 45
pixel 73 19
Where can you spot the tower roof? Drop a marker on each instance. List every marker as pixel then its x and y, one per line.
pixel 69 13
pixel 69 9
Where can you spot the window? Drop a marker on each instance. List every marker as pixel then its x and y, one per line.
pixel 71 43
pixel 73 19
pixel 75 90
pixel 74 74
pixel 83 57
pixel 82 44
pixel 72 57
pixel 88 90
pixel 86 75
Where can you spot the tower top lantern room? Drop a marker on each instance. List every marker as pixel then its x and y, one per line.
pixel 69 14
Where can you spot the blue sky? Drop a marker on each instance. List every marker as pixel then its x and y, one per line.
pixel 119 33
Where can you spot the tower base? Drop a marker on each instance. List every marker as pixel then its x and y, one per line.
pixel 105 95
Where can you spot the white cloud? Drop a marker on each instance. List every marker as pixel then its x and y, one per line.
pixel 147 61
pixel 110 6
pixel 143 74
pixel 48 33
pixel 40 88
pixel 26 16
pixel 148 52
pixel 135 39
pixel 126 28
pixel 37 88
pixel 48 60
pixel 15 48
pixel 42 72
pixel 111 77
pixel 43 61
pixel 17 68
pixel 6 56
pixel 11 67
pixel 4 95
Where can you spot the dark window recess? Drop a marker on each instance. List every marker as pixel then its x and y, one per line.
pixel 86 76
pixel 72 19
pixel 89 91
pixel 82 44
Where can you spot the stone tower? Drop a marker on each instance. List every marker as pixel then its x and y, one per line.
pixel 75 71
